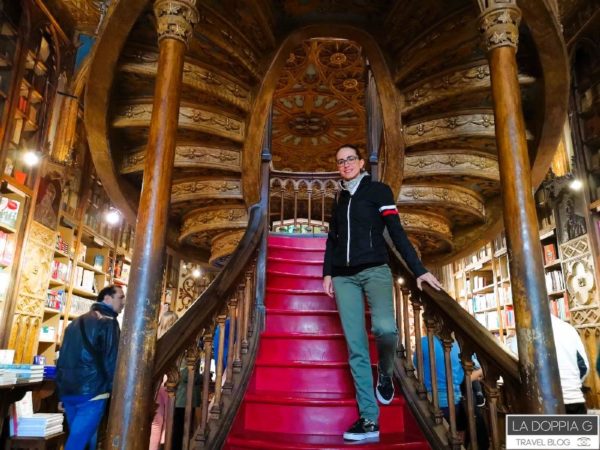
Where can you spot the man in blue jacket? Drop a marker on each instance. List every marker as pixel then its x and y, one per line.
pixel 86 367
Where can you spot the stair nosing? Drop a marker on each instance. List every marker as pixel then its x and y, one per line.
pixel 297 398
pixel 295 261
pixel 286 335
pixel 300 312
pixel 299 249
pixel 293 275
pixel 295 291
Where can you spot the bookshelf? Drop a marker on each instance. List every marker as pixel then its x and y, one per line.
pixel 481 283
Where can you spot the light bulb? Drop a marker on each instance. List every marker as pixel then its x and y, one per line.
pixel 31 158
pixel 576 185
pixel 196 273
pixel 400 280
pixel 112 217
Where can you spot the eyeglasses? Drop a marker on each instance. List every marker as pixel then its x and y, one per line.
pixel 348 160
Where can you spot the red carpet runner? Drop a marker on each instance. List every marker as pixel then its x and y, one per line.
pixel 301 394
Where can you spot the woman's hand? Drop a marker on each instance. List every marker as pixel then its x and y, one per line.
pixel 328 285
pixel 429 279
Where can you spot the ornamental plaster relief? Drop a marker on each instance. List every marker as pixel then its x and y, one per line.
pixel 139 115
pixel 432 223
pixel 223 245
pixel 188 156
pixel 213 218
pixel 204 79
pixel 183 190
pixel 452 84
pixel 452 163
pixel 450 127
pixel 450 196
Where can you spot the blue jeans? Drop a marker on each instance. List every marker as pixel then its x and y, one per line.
pixel 83 416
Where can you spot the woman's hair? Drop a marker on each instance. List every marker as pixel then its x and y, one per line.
pixel 165 322
pixel 353 147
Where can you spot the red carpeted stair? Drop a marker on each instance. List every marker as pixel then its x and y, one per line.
pixel 301 394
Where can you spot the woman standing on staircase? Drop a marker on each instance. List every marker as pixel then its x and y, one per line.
pixel 355 265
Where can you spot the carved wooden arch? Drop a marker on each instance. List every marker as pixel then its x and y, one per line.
pixel 391 162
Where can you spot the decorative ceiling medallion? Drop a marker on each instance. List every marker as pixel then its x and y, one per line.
pixel 303 124
pixel 318 105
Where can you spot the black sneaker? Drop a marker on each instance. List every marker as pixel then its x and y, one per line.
pixel 361 430
pixel 385 389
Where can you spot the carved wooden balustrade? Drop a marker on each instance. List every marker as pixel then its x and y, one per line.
pixel 300 202
pixel 221 325
pixel 423 316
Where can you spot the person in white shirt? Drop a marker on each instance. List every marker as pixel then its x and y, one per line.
pixel 573 364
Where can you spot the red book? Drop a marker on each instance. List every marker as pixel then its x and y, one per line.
pixel 549 254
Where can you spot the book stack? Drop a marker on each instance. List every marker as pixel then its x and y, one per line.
pixel 24 423
pixel 7 378
pixel 25 373
pixel 49 372
pixel 38 425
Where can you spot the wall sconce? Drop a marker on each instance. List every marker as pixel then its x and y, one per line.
pixel 576 185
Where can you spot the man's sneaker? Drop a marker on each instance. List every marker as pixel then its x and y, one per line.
pixel 361 430
pixel 385 389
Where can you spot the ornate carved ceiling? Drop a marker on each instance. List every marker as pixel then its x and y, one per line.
pixel 318 105
pixel 450 192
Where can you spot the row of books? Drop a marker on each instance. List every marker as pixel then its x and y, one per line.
pixel 555 281
pixel 7 378
pixel 80 305
pixel 7 248
pixel 84 279
pixel 62 245
pixel 60 271
pixel 550 254
pixel 480 281
pixel 9 212
pixel 31 112
pixel 122 270
pixel 25 373
pixel 56 299
pixel 483 301
pixel 560 308
pixel 492 319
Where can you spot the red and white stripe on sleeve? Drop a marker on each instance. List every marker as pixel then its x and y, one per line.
pixel 388 210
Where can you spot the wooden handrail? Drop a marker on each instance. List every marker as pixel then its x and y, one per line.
pixel 201 312
pixel 447 321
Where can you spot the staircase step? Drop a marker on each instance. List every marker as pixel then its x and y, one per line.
pixel 297 266
pixel 306 321
pixel 296 299
pixel 407 440
pixel 297 242
pixel 314 413
pixel 299 376
pixel 281 280
pixel 285 347
pixel 286 252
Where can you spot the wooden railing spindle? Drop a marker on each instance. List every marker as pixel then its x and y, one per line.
pixel 215 411
pixel 208 348
pixel 467 364
pixel 453 438
pixel 418 348
pixel 492 394
pixel 398 306
pixel 237 360
pixel 431 327
pixel 191 359
pixel 408 362
pixel 171 386
pixel 228 386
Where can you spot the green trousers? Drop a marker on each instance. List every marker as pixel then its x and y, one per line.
pixel 376 284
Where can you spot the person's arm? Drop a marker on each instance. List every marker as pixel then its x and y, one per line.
pixel 389 213
pixel 328 260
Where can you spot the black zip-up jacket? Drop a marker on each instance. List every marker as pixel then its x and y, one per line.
pixel 356 230
pixel 85 371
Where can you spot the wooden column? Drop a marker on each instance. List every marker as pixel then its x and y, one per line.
pixel 537 355
pixel 129 426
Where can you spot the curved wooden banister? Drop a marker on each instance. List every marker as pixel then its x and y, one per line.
pixel 214 298
pixel 445 318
